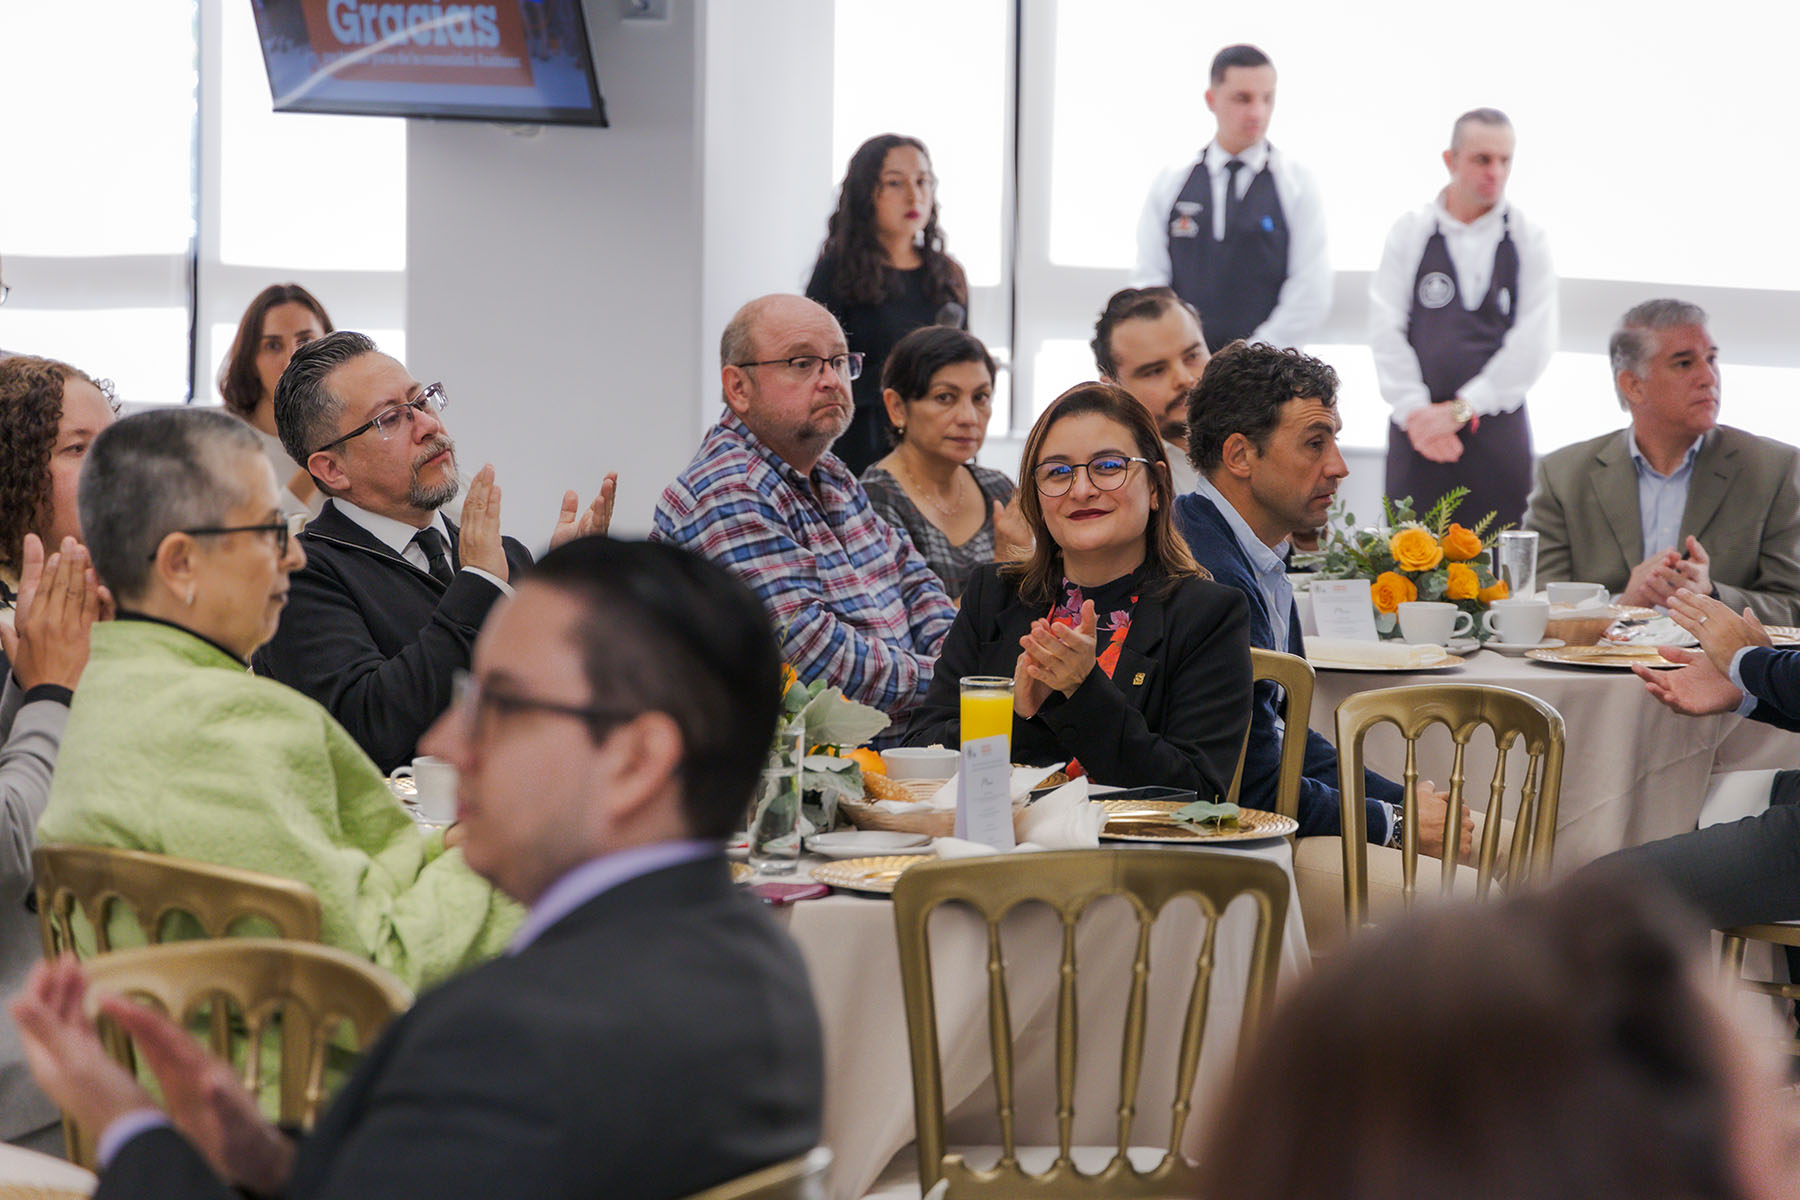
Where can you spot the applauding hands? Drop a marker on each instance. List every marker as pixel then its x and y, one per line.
pixel 1655 581
pixel 480 536
pixel 1056 658
pixel 59 601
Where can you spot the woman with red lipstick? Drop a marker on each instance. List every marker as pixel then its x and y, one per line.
pixel 1125 656
pixel 883 273
pixel 938 390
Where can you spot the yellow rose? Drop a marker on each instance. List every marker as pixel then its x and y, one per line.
pixel 1488 595
pixel 1414 549
pixel 1463 583
pixel 1460 545
pixel 1390 591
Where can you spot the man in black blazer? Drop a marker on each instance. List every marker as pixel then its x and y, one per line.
pixel 650 1034
pixel 392 595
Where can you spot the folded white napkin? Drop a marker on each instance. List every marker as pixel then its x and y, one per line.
pixel 1658 631
pixel 1590 606
pixel 1064 820
pixel 1371 654
pixel 944 799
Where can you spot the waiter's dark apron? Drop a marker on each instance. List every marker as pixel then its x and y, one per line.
pixel 1453 344
pixel 1235 282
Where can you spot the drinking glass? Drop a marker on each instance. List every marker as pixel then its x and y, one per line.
pixel 1517 556
pixel 987 707
pixel 775 818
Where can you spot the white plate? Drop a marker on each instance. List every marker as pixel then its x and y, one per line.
pixel 864 843
pixel 1462 645
pixel 1520 649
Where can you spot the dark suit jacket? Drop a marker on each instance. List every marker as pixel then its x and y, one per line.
pixel 1743 504
pixel 658 1040
pixel 1216 547
pixel 1173 713
pixel 374 638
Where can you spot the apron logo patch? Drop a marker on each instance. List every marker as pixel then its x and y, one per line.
pixel 1436 290
pixel 1183 224
pixel 1268 224
pixel 1504 299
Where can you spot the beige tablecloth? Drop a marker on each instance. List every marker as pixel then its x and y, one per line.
pixel 28 1175
pixel 850 950
pixel 1633 772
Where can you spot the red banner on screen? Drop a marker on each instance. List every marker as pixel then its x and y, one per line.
pixel 477 44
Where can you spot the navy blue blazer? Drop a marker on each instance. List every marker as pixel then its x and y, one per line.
pixel 1217 548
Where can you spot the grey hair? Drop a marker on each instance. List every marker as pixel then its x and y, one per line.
pixel 152 474
pixel 1632 343
pixel 306 411
pixel 1477 116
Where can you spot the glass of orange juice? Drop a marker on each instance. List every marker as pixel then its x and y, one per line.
pixel 987 707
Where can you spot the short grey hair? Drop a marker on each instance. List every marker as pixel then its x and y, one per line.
pixel 154 473
pixel 1634 341
pixel 306 411
pixel 1477 116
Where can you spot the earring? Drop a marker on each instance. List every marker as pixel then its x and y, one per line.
pixel 899 431
pixel 190 595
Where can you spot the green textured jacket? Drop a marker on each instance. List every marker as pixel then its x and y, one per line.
pixel 174 747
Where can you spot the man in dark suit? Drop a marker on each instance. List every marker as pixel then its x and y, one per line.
pixel 392 594
pixel 650 1034
pixel 1674 499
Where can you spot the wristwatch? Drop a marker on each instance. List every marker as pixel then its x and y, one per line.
pixel 1462 410
pixel 1396 825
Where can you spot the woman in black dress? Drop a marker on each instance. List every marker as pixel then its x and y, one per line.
pixel 883 273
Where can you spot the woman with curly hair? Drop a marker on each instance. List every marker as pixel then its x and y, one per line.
pixel 282 318
pixel 883 273
pixel 50 413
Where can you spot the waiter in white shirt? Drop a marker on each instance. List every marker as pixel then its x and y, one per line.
pixel 1463 321
pixel 1239 232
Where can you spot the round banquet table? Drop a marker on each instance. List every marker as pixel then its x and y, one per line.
pixel 1633 770
pixel 851 953
pixel 28 1175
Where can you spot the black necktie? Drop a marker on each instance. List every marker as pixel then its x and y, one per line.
pixel 1231 189
pixel 436 553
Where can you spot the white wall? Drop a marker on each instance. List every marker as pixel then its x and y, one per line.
pixel 554 281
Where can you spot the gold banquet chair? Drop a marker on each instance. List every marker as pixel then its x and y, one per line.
pixel 1294 676
pixel 800 1178
pixel 1462 708
pixel 314 989
pixel 1731 966
pixel 1068 883
pixel 92 881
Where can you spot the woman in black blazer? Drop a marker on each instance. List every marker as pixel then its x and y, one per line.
pixel 1124 655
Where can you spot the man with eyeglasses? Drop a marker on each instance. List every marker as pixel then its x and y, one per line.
pixel 649 1032
pixel 393 593
pixel 764 496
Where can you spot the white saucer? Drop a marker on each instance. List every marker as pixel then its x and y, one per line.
pixel 1517 649
pixel 862 843
pixel 1462 645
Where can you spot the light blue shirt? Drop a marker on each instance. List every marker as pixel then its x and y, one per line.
pixel 1662 498
pixel 1265 563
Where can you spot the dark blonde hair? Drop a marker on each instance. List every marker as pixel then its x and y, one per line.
pixel 1039 577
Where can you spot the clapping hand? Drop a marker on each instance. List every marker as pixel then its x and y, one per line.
pixel 574 521
pixel 58 603
pixel 1654 580
pixel 1696 689
pixel 479 544
pixel 1720 632
pixel 1060 656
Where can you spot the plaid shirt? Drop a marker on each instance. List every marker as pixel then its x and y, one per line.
pixel 855 603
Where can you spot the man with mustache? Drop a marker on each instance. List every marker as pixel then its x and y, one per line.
pixel 392 595
pixel 764 496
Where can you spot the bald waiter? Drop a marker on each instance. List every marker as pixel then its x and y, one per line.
pixel 1239 232
pixel 1463 322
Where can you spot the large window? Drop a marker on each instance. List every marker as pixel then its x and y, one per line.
pixel 151 190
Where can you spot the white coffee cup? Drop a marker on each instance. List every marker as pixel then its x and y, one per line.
pixel 1433 622
pixel 1517 620
pixel 1575 593
pixel 920 762
pixel 435 781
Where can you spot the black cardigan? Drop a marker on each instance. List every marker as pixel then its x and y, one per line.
pixel 1173 713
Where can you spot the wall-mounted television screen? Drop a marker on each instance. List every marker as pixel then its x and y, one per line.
pixel 523 61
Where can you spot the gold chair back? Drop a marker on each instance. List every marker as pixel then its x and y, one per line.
pixel 1731 966
pixel 1069 882
pixel 94 880
pixel 800 1178
pixel 313 989
pixel 1462 708
pixel 1294 676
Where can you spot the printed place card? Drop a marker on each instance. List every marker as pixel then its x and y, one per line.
pixel 984 792
pixel 1341 608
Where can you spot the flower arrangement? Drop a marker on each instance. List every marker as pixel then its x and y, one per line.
pixel 832 721
pixel 1415 558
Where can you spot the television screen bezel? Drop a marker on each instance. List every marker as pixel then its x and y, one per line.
pixel 593 116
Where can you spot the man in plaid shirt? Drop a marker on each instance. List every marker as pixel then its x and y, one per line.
pixel 764 497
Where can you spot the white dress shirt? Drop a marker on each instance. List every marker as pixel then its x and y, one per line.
pixel 398 536
pixel 1306 295
pixel 1524 352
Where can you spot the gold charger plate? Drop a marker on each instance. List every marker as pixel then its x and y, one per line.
pixel 1602 658
pixel 1448 662
pixel 877 873
pixel 1149 821
pixel 1783 635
